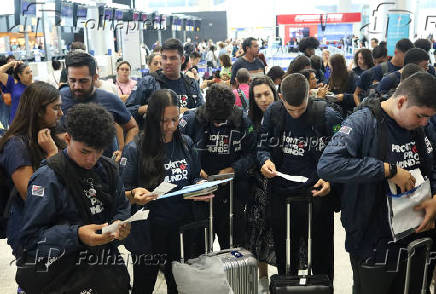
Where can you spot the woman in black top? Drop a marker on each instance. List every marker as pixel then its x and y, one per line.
pixel 160 153
pixel 262 94
pixel 342 83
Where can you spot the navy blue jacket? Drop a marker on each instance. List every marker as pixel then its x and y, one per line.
pixel 241 144
pixel 148 84
pixel 351 158
pixel 311 143
pixel 51 220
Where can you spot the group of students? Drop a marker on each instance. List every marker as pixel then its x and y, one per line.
pixel 66 191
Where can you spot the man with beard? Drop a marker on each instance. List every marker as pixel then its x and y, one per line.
pixel 250 60
pixel 82 75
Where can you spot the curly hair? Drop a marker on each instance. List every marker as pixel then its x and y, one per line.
pixel 90 124
pixel 367 57
pixel 220 101
pixel 308 43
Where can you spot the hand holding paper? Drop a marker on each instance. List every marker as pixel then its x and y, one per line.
pixel 298 179
pixel 138 216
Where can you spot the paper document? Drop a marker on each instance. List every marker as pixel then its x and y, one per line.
pixel 298 179
pixel 163 188
pixel 194 188
pixel 138 216
pixel 402 216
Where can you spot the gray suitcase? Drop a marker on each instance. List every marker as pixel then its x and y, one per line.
pixel 239 264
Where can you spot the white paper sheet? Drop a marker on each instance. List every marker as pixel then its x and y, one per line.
pixel 298 179
pixel 163 188
pixel 138 216
pixel 404 216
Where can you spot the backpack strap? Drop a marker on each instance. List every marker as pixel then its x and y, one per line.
pixel 243 98
pixel 315 116
pixel 384 67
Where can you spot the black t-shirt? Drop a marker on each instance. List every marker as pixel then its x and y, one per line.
pixel 254 68
pixel 301 148
pixel 221 148
pixel 179 86
pixel 179 170
pixel 402 146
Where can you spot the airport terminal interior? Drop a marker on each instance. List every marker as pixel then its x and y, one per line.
pixel 217 146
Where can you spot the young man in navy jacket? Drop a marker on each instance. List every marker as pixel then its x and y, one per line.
pixel 69 200
pixel 368 150
pixel 226 142
pixel 294 132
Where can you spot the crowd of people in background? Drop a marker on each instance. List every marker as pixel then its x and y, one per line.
pixel 211 108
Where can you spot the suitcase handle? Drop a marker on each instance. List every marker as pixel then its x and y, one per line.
pixel 411 249
pixel 191 226
pixel 299 198
pixel 231 187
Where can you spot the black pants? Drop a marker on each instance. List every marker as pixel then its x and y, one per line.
pixel 221 209
pixel 166 249
pixel 72 275
pixel 322 233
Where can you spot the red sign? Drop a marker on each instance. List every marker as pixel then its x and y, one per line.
pixel 299 19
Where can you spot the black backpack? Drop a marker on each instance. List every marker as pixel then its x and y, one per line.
pixel 243 100
pixel 6 197
pixel 315 110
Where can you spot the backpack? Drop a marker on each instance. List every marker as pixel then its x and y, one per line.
pixel 243 100
pixel 315 109
pixel 7 195
pixel 372 89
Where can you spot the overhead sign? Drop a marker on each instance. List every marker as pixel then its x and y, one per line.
pixel 301 19
pixel 398 28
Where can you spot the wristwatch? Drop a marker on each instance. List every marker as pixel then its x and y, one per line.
pixel 392 170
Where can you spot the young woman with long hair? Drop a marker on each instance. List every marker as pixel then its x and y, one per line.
pixel 342 83
pixel 30 139
pixel 161 153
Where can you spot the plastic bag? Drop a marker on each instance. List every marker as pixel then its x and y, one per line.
pixel 403 219
pixel 204 274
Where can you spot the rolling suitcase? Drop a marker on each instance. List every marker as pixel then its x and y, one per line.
pixel 418 248
pixel 316 284
pixel 239 264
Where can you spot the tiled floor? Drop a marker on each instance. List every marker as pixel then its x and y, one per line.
pixel 343 274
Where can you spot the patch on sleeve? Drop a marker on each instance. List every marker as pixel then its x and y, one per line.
pixel 37 190
pixel 182 122
pixel 123 161
pixel 336 128
pixel 345 130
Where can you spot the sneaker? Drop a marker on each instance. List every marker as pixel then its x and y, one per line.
pixel 263 286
